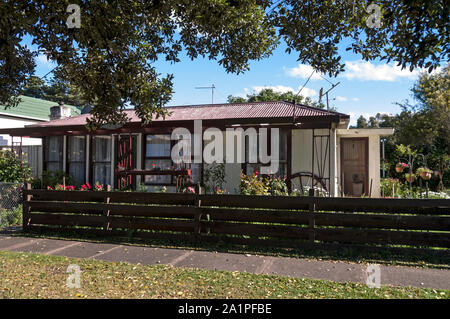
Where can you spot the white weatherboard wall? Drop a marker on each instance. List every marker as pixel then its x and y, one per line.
pixel 301 155
pixel 13 122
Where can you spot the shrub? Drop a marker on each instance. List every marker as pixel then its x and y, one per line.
pixel 11 168
pixel 391 187
pixel 277 186
pixel 54 178
pixel 254 185
pixel 9 217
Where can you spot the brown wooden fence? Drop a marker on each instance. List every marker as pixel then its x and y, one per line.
pixel 238 219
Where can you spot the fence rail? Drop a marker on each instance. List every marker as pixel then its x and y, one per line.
pixel 248 220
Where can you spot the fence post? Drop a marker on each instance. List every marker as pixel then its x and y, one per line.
pixel 26 208
pixel 107 211
pixel 312 222
pixel 198 216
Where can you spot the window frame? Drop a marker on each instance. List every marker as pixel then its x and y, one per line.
pixel 172 177
pixel 45 151
pixel 68 161
pixel 92 160
pixel 285 162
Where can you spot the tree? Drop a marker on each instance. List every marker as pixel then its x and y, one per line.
pixel 109 57
pixel 424 126
pixel 58 91
pixel 271 95
pixel 361 122
pixel 12 170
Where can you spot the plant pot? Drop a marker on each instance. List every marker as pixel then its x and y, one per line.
pixel 399 169
pixel 410 178
pixel 357 189
pixel 425 175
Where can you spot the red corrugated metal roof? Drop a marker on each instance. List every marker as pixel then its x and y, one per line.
pixel 255 110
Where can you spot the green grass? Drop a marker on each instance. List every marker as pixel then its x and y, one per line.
pixel 27 275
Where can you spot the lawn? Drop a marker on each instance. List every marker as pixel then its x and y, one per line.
pixel 26 275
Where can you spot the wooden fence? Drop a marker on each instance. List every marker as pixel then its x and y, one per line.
pixel 248 220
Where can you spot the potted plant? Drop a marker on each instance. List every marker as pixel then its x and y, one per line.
pixel 425 173
pixel 357 185
pixel 400 167
pixel 410 177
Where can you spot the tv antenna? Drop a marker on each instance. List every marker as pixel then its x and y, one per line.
pixel 212 87
pixel 321 94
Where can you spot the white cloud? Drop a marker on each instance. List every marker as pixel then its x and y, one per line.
pixel 356 99
pixel 367 71
pixel 306 92
pixel 42 59
pixel 303 71
pixel 341 98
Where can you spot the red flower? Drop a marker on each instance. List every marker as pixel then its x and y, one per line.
pixel 256 173
pixel 88 186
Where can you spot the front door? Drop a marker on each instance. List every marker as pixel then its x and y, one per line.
pixel 354 166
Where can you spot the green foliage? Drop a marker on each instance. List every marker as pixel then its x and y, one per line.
pixel 391 187
pixel 110 58
pixel 214 177
pixel 11 169
pixel 254 185
pixel 54 178
pixel 59 90
pixel 11 217
pixel 269 185
pixel 421 128
pixel 277 186
pixel 267 95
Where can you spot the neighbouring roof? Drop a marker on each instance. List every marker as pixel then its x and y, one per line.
pixel 35 109
pixel 213 114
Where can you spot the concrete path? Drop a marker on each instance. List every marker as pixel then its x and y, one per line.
pixel 283 266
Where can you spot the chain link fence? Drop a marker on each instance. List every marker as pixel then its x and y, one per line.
pixel 10 204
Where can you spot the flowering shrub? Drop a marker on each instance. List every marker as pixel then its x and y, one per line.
pixel 189 190
pixel 318 191
pixel 219 191
pixel 278 186
pixel 253 185
pixel 402 165
pixel 85 187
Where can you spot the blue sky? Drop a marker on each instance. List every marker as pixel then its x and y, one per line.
pixel 365 87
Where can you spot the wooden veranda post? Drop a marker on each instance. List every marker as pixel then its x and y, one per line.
pixel 26 208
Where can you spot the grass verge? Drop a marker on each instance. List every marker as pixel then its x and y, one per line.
pixel 29 275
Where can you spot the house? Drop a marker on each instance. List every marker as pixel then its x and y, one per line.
pixel 29 111
pixel 313 146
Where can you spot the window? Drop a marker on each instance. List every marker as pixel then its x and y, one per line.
pixel 76 158
pixel 101 159
pixel 249 168
pixel 158 155
pixel 53 156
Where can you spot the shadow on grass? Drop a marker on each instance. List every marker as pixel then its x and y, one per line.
pixel 401 256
